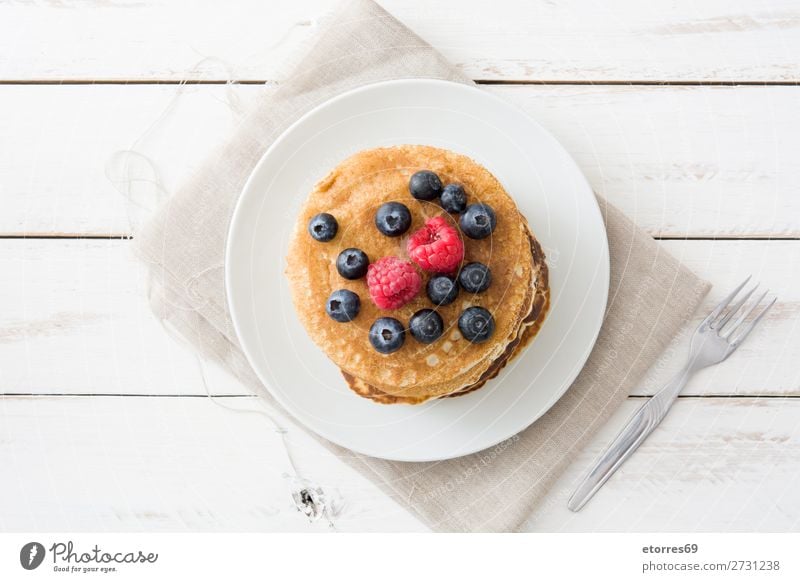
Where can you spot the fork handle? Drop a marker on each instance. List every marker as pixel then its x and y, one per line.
pixel 633 434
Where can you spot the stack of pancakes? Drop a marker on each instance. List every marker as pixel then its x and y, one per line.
pixel 518 297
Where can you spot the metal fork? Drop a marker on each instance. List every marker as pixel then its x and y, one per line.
pixel 713 341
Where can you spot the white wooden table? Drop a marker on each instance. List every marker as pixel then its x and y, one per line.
pixel 684 114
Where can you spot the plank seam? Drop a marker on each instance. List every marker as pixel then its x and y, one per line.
pixel 488 82
pixel 129 395
pixel 115 395
pixel 667 237
pixel 69 236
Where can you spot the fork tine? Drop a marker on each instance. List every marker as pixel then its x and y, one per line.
pixel 724 303
pixel 743 335
pixel 735 325
pixel 733 310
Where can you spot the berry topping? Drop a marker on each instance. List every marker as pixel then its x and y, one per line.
pixel 392 282
pixel 476 324
pixel 393 219
pixel 475 277
pixel 436 247
pixel 343 305
pixel 478 221
pixel 425 185
pixel 323 227
pixel 454 198
pixel 352 263
pixel 426 326
pixel 387 335
pixel 442 290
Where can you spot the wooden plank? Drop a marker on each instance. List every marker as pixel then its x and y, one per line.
pixel 727 465
pixel 153 40
pixel 165 464
pixel 680 161
pixel 717 40
pixel 76 320
pixel 683 161
pixel 185 464
pixel 765 363
pixel 57 167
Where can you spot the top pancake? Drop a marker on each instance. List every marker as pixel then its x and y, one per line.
pixel 352 193
pixel 529 329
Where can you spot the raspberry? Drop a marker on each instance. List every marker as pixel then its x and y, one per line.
pixel 392 282
pixel 436 247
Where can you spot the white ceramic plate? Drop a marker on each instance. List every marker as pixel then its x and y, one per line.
pixel 538 173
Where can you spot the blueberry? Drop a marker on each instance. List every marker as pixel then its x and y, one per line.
pixel 442 290
pixel 475 277
pixel 425 185
pixel 323 227
pixel 426 326
pixel 343 305
pixel 476 324
pixel 393 219
pixel 352 263
pixel 478 221
pixel 387 335
pixel 454 198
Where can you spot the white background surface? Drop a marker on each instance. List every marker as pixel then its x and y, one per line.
pixel 683 114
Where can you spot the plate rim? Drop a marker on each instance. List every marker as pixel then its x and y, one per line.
pixel 235 217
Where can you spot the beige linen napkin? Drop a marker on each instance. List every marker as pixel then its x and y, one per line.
pixel 651 294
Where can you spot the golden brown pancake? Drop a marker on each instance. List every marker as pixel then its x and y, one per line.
pixel 517 297
pixel 530 327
